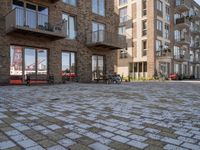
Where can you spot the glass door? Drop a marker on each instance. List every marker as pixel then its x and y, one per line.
pixel 31 17
pixel 97 67
pixel 29 61
pixel 98 30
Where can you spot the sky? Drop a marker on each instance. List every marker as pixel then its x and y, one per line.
pixel 198 1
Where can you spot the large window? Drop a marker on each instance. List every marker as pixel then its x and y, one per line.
pixel 144 27
pixel 144 7
pixel 159 25
pixel 158 45
pixel 123 2
pixel 98 7
pixel 123 14
pixel 26 60
pixel 159 5
pixel 70 2
pixel 122 30
pixel 167 31
pixel 68 63
pixel 70 25
pixel 98 31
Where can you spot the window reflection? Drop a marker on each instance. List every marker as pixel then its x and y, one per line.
pixel 15 60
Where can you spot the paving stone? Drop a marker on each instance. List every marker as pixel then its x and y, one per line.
pixel 6 144
pixel 173 147
pixel 13 132
pixel 137 137
pixel 53 127
pixel 66 142
pixel 99 146
pixel 79 147
pixel 118 145
pixel 106 134
pixel 137 144
pixel 18 138
pixel 46 143
pixel 171 141
pixel 27 143
pixel 120 139
pixel 35 148
pixel 57 147
pixel 122 133
pixel 191 146
pixel 73 135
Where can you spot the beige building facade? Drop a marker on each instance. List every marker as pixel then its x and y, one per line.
pixel 162 36
pixel 58 37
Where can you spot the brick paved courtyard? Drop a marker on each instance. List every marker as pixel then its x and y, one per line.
pixel 130 116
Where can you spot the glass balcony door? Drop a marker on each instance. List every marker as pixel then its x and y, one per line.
pixel 31 18
pixel 98 31
pixel 97 67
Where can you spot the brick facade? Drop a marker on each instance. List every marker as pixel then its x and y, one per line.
pixel 84 18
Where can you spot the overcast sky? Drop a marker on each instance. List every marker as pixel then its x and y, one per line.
pixel 198 1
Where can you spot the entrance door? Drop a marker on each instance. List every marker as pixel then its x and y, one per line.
pixel 97 67
pixel 30 61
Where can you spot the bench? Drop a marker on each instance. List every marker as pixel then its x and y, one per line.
pixel 102 78
pixel 33 78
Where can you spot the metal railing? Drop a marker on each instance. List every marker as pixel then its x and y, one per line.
pixel 124 19
pixel 107 38
pixel 28 19
pixel 166 52
pixel 185 39
pixel 182 20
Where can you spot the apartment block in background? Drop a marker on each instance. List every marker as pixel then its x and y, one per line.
pixel 162 35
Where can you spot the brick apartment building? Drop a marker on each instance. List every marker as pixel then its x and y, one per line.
pixel 45 37
pixel 161 35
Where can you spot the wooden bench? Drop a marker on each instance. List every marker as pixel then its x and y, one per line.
pixel 102 78
pixel 33 78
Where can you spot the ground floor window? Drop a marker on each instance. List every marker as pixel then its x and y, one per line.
pixel 26 60
pixel 68 65
pixel 97 67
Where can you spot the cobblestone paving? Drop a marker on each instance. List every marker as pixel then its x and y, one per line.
pixel 148 116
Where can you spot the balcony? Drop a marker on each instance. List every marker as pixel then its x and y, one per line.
pixel 195 16
pixel 182 5
pixel 105 39
pixel 23 21
pixel 126 21
pixel 165 53
pixel 195 30
pixel 195 46
pixel 185 40
pixel 180 57
pixel 181 23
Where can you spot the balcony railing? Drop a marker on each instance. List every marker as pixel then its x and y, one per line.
pixel 195 45
pixel 195 29
pixel 164 53
pixel 182 22
pixel 195 15
pixel 106 39
pixel 182 5
pixel 183 40
pixel 32 22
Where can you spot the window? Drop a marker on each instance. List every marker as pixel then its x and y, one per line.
pixel 167 11
pixel 144 48
pixel 68 63
pixel 98 31
pixel 33 59
pixel 98 7
pixel 158 45
pixel 70 2
pixel 123 2
pixel 144 27
pixel 159 5
pixel 159 25
pixel 123 54
pixel 144 8
pixel 123 14
pixel 167 31
pixel 122 30
pixel 70 26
